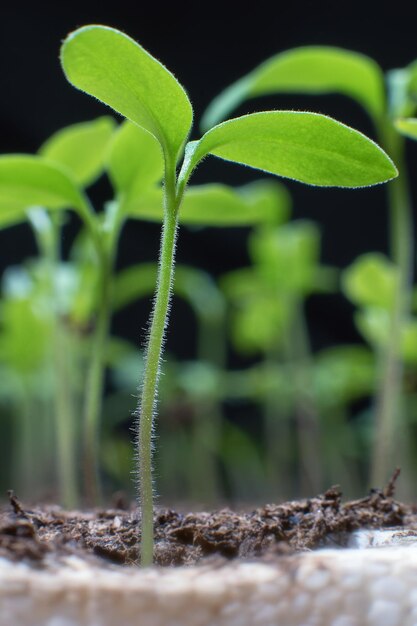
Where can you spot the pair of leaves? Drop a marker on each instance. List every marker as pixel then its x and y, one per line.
pixel 311 148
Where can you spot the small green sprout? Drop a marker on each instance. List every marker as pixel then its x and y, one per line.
pixel 269 299
pixel 308 147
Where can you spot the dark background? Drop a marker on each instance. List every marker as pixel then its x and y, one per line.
pixel 207 46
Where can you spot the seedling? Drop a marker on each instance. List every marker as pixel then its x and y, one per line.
pixel 269 300
pixel 371 283
pixel 308 147
pixel 321 70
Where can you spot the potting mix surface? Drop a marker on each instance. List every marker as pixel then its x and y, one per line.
pixel 111 536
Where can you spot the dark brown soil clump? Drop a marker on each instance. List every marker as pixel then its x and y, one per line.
pixel 111 536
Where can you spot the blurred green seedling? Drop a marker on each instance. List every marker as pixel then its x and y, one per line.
pixel 308 147
pixel 343 378
pixel 371 284
pixel 269 318
pixel 390 102
pixel 25 389
pixel 47 183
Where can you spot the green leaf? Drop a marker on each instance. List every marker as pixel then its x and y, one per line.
pixel 371 281
pixel 287 257
pixel 27 181
pixel 113 68
pixel 81 148
pixel 219 205
pixel 135 161
pixel 407 127
pixel 261 322
pixel 311 70
pixel 374 325
pixel 26 321
pixel 307 147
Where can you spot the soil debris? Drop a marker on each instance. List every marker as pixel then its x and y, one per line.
pixel 111 536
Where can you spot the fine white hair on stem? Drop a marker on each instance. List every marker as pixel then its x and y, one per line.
pixel 138 411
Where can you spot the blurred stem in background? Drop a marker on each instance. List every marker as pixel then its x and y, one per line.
pixel 47 229
pixel 109 228
pixel 305 412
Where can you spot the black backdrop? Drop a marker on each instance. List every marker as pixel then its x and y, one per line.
pixel 207 46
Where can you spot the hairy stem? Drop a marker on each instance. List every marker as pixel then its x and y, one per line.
pixel 387 450
pixel 152 366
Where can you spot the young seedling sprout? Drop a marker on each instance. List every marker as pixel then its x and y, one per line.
pixel 308 147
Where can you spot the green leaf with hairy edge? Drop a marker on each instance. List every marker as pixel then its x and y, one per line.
pixel 219 205
pixel 135 161
pixel 311 70
pixel 308 147
pixel 81 148
pixel 407 127
pixel 110 66
pixel 371 281
pixel 27 181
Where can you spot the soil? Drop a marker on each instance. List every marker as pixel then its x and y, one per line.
pixel 110 536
